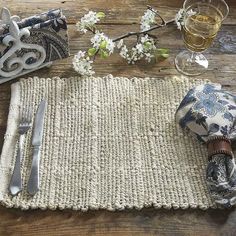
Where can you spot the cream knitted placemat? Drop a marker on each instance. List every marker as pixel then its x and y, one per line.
pixel 109 143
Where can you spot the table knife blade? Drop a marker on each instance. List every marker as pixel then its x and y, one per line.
pixel 33 182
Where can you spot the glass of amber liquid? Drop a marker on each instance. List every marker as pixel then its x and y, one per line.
pixel 202 20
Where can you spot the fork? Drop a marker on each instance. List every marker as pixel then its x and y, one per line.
pixel 25 124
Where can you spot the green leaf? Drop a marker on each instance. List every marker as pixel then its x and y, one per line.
pixel 165 55
pixel 100 14
pixel 92 51
pixel 147 45
pixel 162 50
pixel 103 44
pixel 103 54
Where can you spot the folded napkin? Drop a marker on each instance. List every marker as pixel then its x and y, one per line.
pixel 47 42
pixel 30 21
pixel 209 112
pixel 109 143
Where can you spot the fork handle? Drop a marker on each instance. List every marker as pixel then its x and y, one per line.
pixel 33 183
pixel 15 185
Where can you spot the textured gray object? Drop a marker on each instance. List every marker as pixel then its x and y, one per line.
pixel 109 143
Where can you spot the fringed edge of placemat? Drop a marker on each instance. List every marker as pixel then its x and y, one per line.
pixel 109 208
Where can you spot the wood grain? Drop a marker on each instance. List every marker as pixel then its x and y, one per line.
pixel 133 222
pixel 123 16
pixel 119 12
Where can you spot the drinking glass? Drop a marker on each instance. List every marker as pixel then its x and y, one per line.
pixel 202 20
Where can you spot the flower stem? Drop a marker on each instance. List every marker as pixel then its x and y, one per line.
pixel 142 32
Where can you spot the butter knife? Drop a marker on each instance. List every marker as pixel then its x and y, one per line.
pixel 34 181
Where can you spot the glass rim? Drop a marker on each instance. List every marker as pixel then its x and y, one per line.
pixel 223 1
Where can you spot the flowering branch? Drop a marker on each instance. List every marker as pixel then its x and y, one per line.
pixel 179 18
pixel 145 47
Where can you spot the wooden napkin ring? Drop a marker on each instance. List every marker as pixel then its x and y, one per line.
pixel 219 145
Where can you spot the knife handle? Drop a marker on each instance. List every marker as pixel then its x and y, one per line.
pixel 33 182
pixel 15 185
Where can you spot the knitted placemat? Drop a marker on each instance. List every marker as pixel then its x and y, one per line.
pixel 109 143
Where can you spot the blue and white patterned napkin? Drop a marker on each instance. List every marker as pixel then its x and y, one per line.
pixel 208 111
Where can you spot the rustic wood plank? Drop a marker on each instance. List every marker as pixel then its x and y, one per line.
pixel 218 54
pixel 133 222
pixel 122 12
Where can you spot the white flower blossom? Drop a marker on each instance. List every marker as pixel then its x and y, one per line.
pixel 147 20
pixel 123 51
pixel 179 18
pixel 99 38
pixel 110 45
pixel 144 49
pixel 82 64
pixel 148 57
pixel 149 47
pixel 145 39
pixel 120 44
pixel 139 48
pixel 136 55
pixel 88 20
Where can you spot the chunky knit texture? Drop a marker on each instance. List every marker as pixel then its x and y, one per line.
pixel 109 143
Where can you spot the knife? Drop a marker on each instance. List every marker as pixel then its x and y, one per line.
pixel 33 182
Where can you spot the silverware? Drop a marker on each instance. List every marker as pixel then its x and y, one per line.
pixel 33 183
pixel 15 185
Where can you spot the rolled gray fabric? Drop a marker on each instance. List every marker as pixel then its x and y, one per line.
pixel 209 112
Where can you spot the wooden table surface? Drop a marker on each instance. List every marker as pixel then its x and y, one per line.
pixel 123 16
